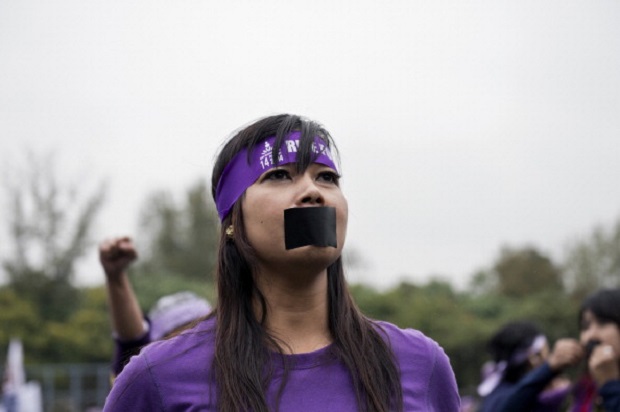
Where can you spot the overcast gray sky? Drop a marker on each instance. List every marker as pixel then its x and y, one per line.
pixel 462 125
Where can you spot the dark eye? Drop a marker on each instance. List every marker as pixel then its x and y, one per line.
pixel 329 177
pixel 277 174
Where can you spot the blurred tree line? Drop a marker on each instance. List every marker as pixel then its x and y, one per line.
pixel 50 229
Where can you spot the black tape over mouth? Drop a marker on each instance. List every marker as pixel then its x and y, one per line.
pixel 309 226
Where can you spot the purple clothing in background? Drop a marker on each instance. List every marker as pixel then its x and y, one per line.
pixel 609 395
pixel 124 350
pixel 175 375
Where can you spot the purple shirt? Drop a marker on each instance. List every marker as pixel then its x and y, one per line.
pixel 174 375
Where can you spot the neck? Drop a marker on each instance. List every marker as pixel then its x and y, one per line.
pixel 297 312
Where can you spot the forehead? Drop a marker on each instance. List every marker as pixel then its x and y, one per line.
pixel 588 316
pixel 294 167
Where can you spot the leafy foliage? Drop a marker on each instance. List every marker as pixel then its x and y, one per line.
pixel 18 317
pixel 521 272
pixel 149 287
pixel 181 240
pixel 593 262
pixel 49 232
pixel 85 334
pixel 50 223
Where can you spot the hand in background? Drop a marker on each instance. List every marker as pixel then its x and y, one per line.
pixel 603 364
pixel 116 255
pixel 566 352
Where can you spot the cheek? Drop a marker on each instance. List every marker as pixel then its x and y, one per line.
pixel 252 219
pixel 263 219
pixel 342 216
pixel 343 211
pixel 583 337
pixel 255 206
pixel 258 220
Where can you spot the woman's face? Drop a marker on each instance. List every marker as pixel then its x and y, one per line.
pixel 281 188
pixel 594 329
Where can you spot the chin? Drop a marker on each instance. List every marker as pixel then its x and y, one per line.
pixel 314 256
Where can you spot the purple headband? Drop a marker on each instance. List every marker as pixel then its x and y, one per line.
pixel 239 173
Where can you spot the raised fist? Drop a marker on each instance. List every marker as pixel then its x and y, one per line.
pixel 116 255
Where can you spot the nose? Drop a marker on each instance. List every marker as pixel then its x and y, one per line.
pixel 310 194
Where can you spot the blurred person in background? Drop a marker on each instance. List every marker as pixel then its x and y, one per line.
pixel 10 401
pixel 524 374
pixel 599 324
pixel 131 329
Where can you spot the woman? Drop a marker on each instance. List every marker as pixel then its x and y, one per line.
pixel 285 334
pixel 599 322
pixel 524 373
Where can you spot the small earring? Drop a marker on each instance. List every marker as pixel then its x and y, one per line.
pixel 230 231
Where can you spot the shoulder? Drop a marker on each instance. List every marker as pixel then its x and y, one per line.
pixel 407 342
pixel 428 380
pixel 413 349
pixel 164 368
pixel 183 357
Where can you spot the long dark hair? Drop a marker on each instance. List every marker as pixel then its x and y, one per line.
pixel 243 347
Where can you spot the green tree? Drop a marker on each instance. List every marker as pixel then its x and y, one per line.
pixel 18 317
pixel 85 335
pixel 524 271
pixel 49 223
pixel 181 240
pixel 49 228
pixel 593 262
pixel 483 282
pixel 149 287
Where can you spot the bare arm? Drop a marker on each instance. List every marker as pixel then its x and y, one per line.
pixel 566 352
pixel 115 256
